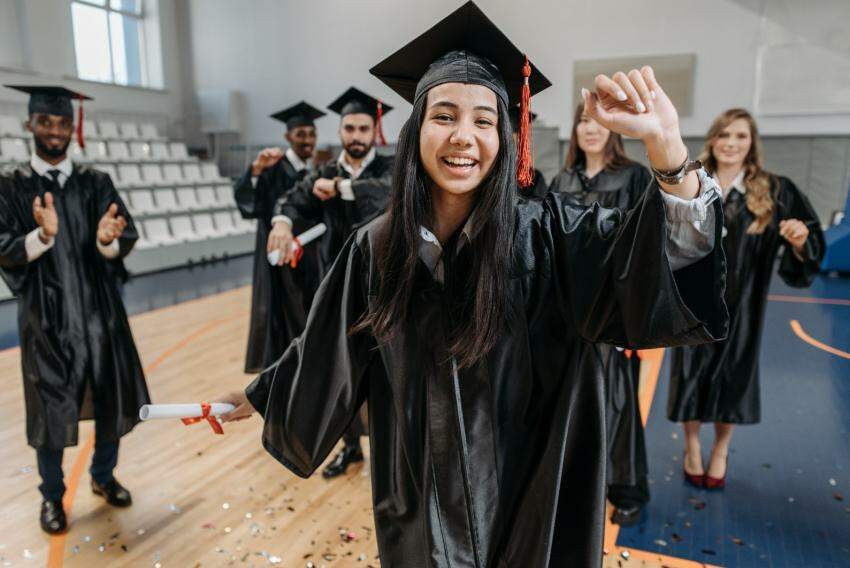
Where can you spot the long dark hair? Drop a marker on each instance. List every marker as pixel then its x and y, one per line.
pixel 484 311
pixel 614 153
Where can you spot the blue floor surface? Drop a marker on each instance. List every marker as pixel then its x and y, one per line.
pixel 787 500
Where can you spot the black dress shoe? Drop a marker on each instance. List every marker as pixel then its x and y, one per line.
pixel 53 519
pixel 114 493
pixel 626 516
pixel 346 456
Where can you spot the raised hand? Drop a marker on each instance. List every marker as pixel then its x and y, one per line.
pixel 634 104
pixel 111 226
pixel 795 232
pixel 45 216
pixel 265 159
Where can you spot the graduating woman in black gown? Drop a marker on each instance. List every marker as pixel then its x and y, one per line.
pixel 597 170
pixel 764 214
pixel 467 316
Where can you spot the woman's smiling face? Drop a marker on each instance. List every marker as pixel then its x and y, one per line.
pixel 459 137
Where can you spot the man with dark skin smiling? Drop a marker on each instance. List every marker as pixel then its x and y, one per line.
pixel 63 234
pixel 343 195
pixel 281 296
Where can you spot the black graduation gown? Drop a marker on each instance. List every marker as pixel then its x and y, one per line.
pixel 720 382
pixel 371 196
pixel 627 462
pixel 538 187
pixel 280 296
pixel 501 464
pixel 75 337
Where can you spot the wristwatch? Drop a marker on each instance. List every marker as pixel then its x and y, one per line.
pixel 676 176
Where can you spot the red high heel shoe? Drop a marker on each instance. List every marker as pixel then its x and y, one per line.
pixel 717 483
pixel 693 480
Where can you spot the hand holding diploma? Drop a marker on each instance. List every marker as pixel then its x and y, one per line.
pixel 188 413
pixel 243 408
pixel 276 256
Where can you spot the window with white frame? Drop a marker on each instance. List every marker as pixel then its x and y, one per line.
pixel 109 41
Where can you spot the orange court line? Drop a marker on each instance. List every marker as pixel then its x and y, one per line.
pixel 808 300
pixel 798 329
pixel 654 357
pixel 56 552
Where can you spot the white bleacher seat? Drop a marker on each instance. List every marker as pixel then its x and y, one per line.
pixel 152 174
pixel 141 202
pixel 108 130
pixel 96 150
pixel 243 225
pixel 78 155
pixel 11 125
pixel 143 242
pixel 118 151
pixel 187 199
pixel 14 150
pixel 192 173
pixel 159 151
pixel 172 173
pixel 210 173
pixel 181 229
pixel 140 150
pixel 147 131
pixel 224 196
pixel 110 170
pixel 204 226
pixel 125 197
pixel 90 130
pixel 157 233
pixel 178 151
pixel 165 200
pixel 129 131
pixel 207 197
pixel 130 176
pixel 224 223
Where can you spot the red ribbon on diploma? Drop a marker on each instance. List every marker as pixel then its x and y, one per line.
pixel 297 253
pixel 205 415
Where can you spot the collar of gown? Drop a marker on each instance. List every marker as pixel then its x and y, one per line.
pixel 343 163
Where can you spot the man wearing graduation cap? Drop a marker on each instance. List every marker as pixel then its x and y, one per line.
pixel 281 296
pixel 344 195
pixel 63 234
pixel 538 186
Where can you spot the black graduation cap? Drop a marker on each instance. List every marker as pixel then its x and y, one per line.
pixel 513 112
pixel 355 101
pixel 301 114
pixel 467 47
pixel 53 99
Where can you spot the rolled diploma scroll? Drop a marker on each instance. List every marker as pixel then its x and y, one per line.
pixel 307 236
pixel 172 411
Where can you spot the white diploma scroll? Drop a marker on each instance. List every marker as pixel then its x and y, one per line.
pixel 307 236
pixel 172 411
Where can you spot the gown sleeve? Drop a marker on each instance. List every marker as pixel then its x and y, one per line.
pixel 613 277
pixel 245 194
pixel 300 205
pixel 14 264
pixel 796 272
pixel 312 393
pixel 371 196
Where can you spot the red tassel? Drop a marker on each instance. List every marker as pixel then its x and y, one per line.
pixel 525 164
pixel 80 140
pixel 379 125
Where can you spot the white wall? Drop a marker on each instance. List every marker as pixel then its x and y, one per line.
pixel 277 52
pixel 41 51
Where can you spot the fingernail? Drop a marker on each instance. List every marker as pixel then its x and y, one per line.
pixel 641 107
pixel 584 93
pixel 621 95
pixel 652 94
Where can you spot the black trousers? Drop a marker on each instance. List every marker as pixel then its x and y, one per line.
pixel 50 468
